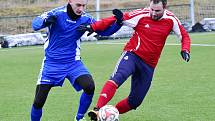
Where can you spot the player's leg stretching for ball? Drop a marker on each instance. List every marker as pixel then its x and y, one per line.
pixel 49 77
pixel 141 74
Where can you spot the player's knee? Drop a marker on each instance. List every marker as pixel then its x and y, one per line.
pixel 90 88
pixel 87 83
pixel 134 103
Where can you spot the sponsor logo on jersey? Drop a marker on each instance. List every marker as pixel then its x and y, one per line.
pixel 45 80
pixel 70 21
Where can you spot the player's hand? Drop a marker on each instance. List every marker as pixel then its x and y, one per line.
pixel 50 20
pixel 185 55
pixel 118 15
pixel 84 28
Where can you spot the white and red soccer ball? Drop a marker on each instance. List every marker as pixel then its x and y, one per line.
pixel 108 113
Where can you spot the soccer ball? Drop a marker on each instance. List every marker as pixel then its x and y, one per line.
pixel 108 113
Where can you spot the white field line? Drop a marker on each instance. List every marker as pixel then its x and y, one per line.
pixel 210 45
pixel 106 43
pixel 115 43
pixel 31 48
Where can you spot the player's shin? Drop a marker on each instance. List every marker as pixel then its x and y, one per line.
pixel 107 93
pixel 36 114
pixel 85 101
pixel 123 106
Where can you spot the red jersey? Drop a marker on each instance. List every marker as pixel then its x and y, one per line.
pixel 149 36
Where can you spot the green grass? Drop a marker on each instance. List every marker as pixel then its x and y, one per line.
pixel 180 91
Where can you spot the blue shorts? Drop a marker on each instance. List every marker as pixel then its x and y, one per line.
pixel 129 64
pixel 141 74
pixel 54 73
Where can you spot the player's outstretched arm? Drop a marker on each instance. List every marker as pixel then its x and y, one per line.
pixel 116 25
pixel 106 26
pixel 44 20
pixel 118 14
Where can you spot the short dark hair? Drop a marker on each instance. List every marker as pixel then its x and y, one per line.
pixel 164 2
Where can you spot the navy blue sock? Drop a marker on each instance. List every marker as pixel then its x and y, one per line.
pixel 84 104
pixel 36 114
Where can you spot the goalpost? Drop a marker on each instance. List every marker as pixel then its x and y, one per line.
pixel 192 12
pixel 97 9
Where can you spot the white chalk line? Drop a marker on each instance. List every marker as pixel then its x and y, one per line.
pixel 104 43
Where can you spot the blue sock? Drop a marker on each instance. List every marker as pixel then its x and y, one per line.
pixel 84 104
pixel 36 114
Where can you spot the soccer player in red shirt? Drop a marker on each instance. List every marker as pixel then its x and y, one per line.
pixel 151 27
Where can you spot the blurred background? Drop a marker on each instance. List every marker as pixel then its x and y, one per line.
pixel 180 91
pixel 16 15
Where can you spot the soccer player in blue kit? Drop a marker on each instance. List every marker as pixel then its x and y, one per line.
pixel 62 55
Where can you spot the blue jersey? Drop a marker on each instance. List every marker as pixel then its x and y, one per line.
pixel 62 47
pixel 63 42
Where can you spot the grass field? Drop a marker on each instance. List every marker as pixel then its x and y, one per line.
pixel 180 91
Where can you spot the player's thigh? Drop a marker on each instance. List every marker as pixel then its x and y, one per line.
pixel 140 83
pixel 77 71
pixel 139 86
pixel 138 91
pixel 124 68
pixel 52 73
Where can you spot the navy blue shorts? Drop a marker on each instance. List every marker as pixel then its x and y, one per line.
pixel 55 73
pixel 130 64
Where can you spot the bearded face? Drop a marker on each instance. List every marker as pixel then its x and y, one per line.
pixel 156 10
